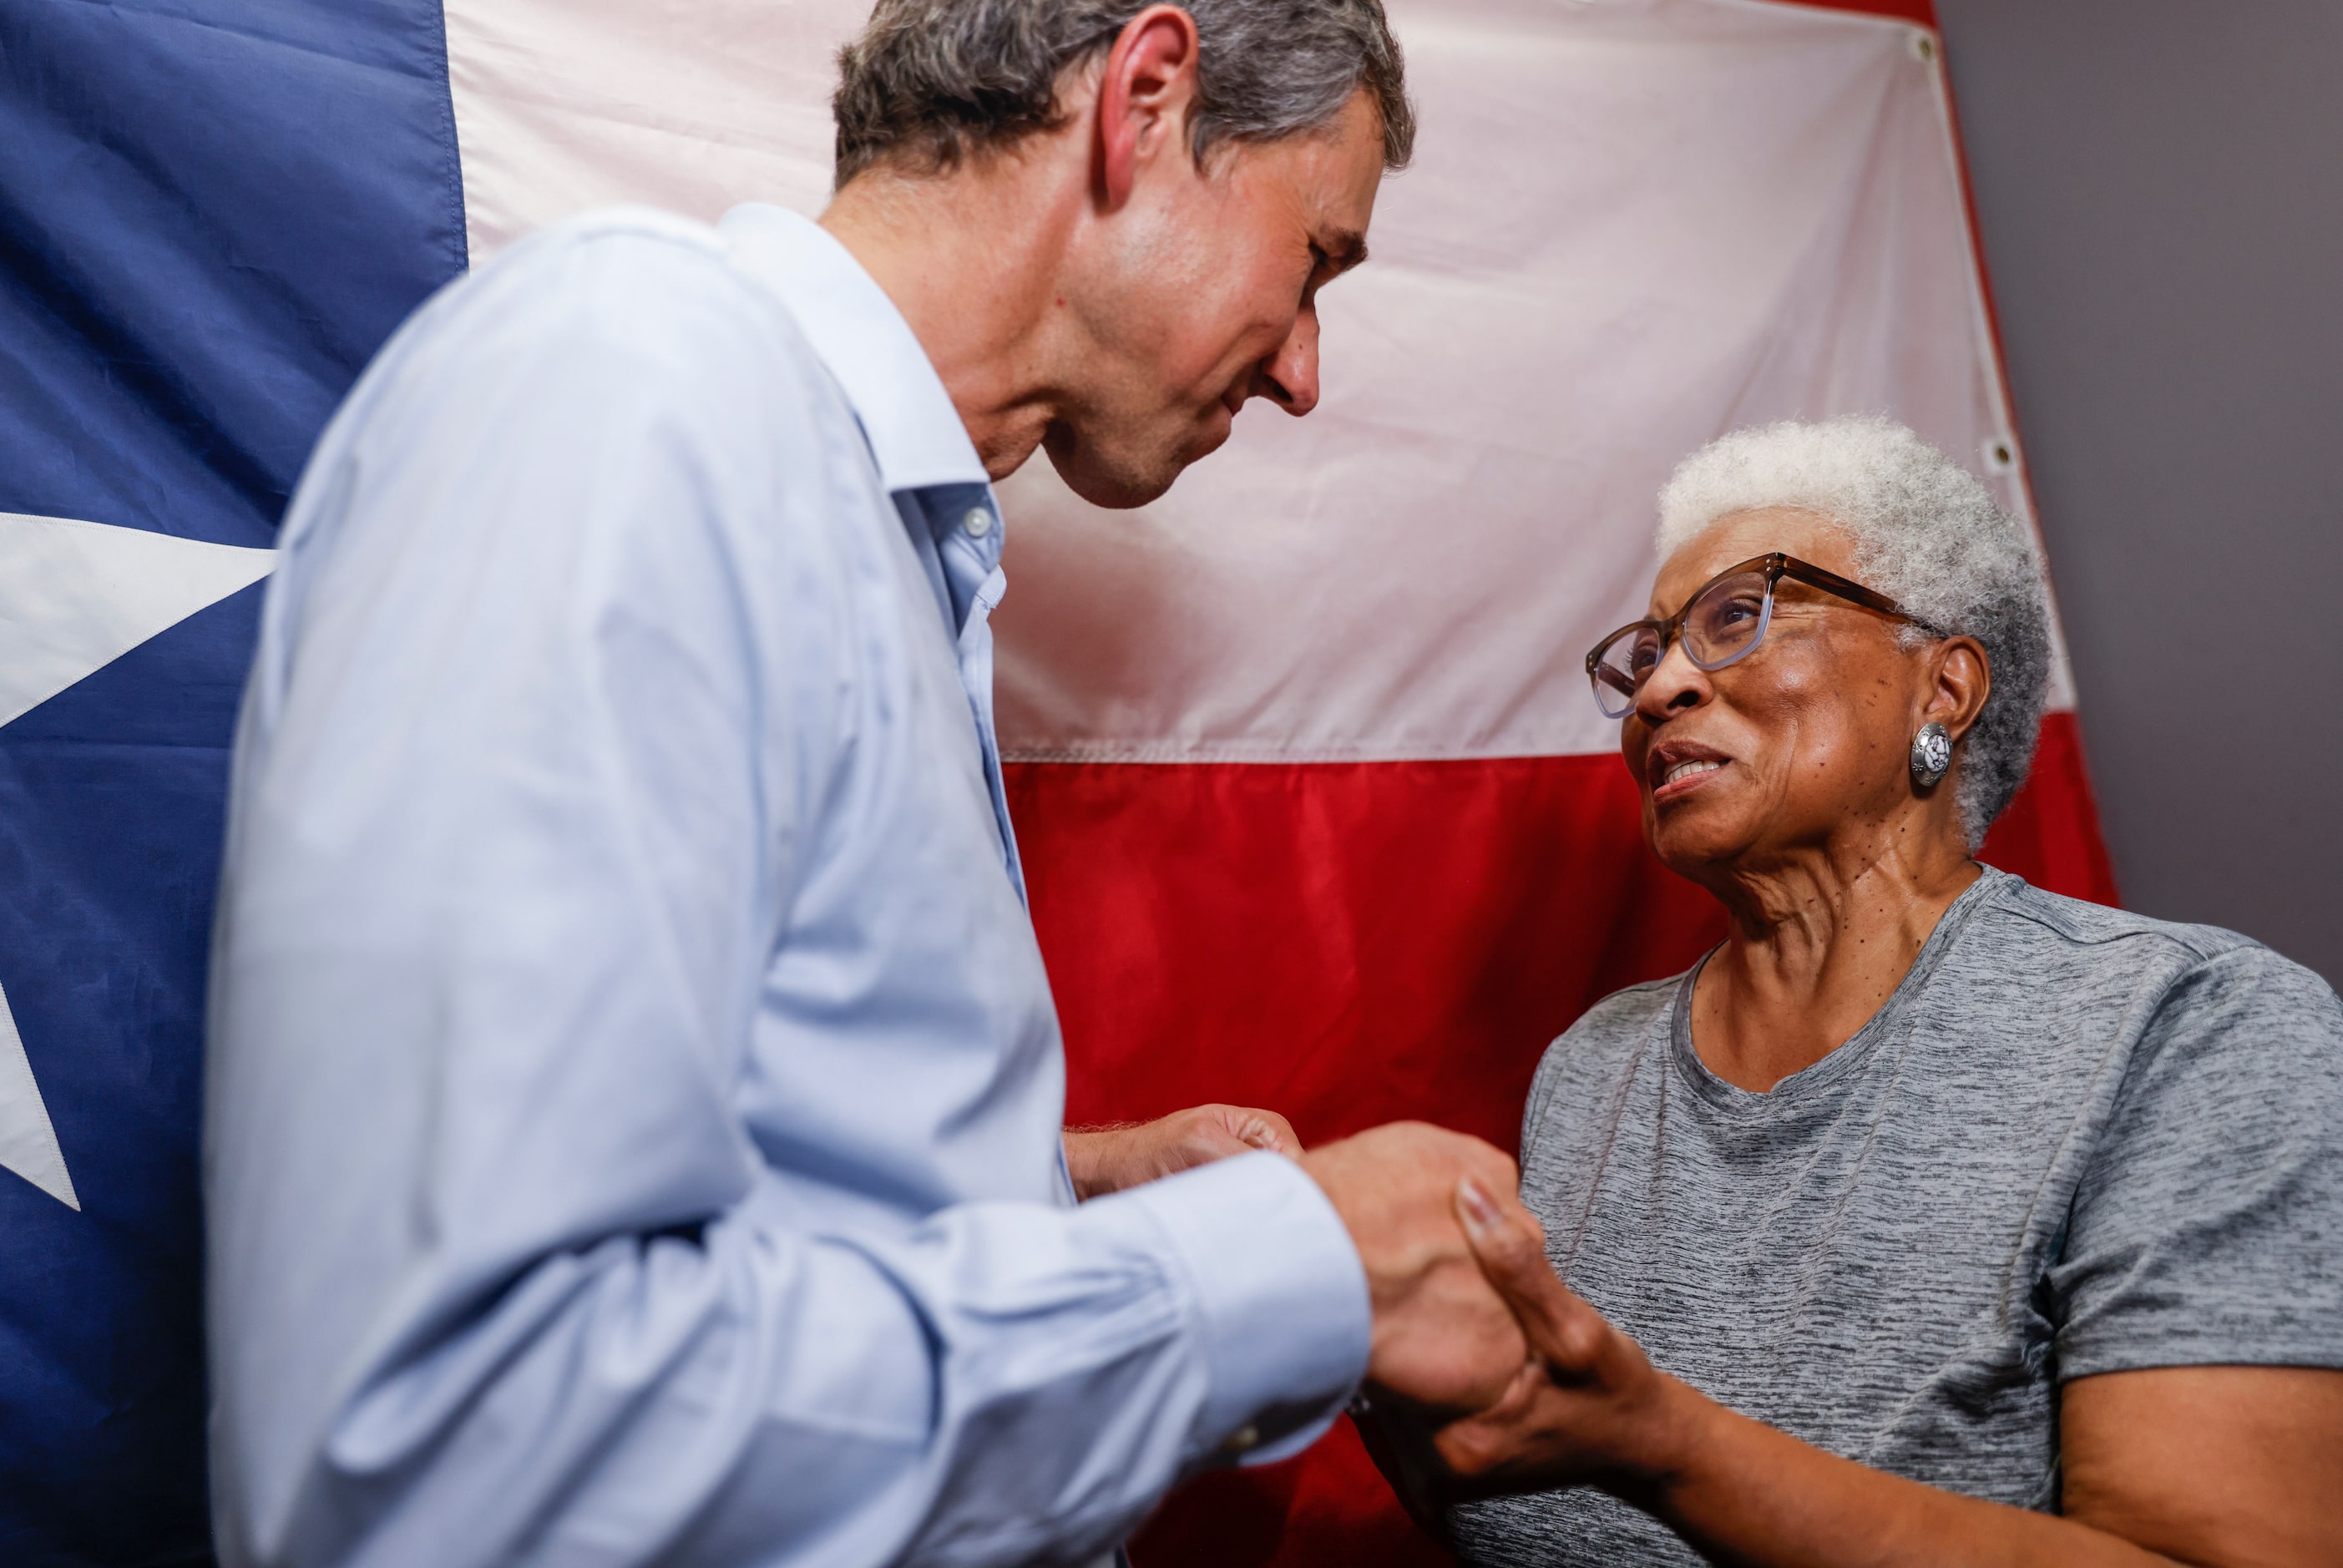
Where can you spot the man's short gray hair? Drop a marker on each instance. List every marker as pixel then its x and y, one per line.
pixel 930 81
pixel 1927 535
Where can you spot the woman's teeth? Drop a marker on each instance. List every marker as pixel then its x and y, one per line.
pixel 1687 770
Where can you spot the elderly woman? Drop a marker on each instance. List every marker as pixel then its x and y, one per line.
pixel 1932 1218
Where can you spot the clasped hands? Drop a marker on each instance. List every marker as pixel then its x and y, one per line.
pixel 1485 1374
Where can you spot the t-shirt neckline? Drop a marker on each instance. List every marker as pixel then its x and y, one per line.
pixel 1807 1081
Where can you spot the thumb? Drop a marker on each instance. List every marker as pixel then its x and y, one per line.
pixel 1268 1129
pixel 1251 1128
pixel 1561 1330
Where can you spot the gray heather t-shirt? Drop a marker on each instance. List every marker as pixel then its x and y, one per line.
pixel 2074 1141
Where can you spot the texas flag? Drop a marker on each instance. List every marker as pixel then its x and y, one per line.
pixel 1316 809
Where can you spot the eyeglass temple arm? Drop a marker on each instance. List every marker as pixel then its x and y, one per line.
pixel 1831 582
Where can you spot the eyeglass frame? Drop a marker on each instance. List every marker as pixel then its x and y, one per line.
pixel 1777 566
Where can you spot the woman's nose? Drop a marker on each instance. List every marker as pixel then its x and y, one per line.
pixel 1676 683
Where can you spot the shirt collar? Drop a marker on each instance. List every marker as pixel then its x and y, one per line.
pixel 915 433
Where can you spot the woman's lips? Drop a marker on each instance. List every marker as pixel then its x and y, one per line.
pixel 1687 776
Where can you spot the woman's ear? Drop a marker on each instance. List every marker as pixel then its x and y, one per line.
pixel 1962 679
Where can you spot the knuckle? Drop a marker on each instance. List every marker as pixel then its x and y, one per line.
pixel 1582 1334
pixel 1500 1163
pixel 1469 1450
pixel 1522 1259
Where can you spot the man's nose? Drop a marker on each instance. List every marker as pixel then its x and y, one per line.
pixel 1676 683
pixel 1289 378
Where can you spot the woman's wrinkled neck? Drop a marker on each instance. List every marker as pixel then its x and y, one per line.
pixel 1818 938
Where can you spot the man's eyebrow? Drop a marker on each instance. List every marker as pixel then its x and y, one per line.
pixel 1343 249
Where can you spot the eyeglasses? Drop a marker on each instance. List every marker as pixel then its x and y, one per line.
pixel 1722 622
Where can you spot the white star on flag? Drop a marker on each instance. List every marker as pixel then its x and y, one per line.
pixel 74 597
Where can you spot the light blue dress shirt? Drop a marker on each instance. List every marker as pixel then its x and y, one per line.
pixel 634 1091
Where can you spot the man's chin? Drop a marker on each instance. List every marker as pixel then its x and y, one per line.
pixel 1120 480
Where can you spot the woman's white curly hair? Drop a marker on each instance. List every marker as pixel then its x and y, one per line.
pixel 1927 535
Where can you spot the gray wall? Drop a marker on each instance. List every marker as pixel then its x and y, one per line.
pixel 2159 192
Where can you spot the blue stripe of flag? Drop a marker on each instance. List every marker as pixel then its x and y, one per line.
pixel 212 213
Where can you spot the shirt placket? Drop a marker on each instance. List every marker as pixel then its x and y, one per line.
pixel 968 541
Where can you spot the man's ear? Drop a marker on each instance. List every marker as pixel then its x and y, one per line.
pixel 1962 679
pixel 1144 93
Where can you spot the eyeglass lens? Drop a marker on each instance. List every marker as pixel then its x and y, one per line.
pixel 1719 627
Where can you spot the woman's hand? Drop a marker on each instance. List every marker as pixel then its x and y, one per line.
pixel 1103 1159
pixel 1586 1407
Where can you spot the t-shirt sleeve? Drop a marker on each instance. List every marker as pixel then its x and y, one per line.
pixel 1542 1092
pixel 1586 1060
pixel 2208 1228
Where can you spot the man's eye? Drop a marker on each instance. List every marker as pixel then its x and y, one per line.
pixel 1317 277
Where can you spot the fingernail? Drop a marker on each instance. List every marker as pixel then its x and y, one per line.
pixel 1479 1213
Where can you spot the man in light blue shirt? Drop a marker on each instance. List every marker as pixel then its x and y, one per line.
pixel 634 1105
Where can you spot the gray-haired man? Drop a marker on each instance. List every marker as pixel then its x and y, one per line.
pixel 633 1123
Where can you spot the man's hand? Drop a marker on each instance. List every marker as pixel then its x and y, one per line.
pixel 1443 1338
pixel 1108 1159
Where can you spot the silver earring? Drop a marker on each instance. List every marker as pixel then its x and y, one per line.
pixel 1932 753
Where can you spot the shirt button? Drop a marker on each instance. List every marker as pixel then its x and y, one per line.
pixel 1244 1440
pixel 978 522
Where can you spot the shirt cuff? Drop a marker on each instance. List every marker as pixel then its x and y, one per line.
pixel 1281 1297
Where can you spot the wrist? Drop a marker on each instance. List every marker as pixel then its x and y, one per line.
pixel 1281 1320
pixel 1668 1435
pixel 1092 1155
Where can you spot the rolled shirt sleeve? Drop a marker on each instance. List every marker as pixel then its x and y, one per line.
pixel 537 778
